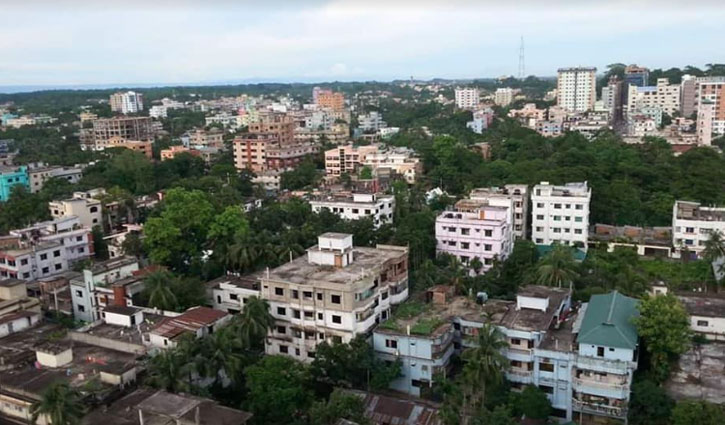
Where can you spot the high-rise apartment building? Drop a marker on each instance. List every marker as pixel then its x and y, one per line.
pixel 467 98
pixel 128 102
pixel 692 224
pixel 127 128
pixel 576 89
pixel 560 214
pixel 706 112
pixel 688 96
pixel 637 76
pixel 326 98
pixel 712 90
pixel 348 159
pixel 334 293
pixel 503 96
pixel 353 206
pixel 664 96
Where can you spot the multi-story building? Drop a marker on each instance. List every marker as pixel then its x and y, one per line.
pixel 334 293
pixel 76 240
pixel 87 210
pixel 503 96
pixel 518 194
pixel 467 98
pixel 475 229
pixel 230 293
pixel 28 261
pixel 560 214
pixel 664 95
pixel 196 321
pixel 549 128
pixel 126 128
pixel 529 114
pixel 172 151
pixel 348 159
pixel 128 102
pixel 706 111
pixel 711 90
pixel 103 284
pixel 353 206
pixel 371 122
pixel 145 148
pixel 636 76
pixel 40 172
pixel 692 224
pixel 329 99
pixel 11 176
pixel 576 89
pixel 688 96
pixel 200 138
pixel 482 118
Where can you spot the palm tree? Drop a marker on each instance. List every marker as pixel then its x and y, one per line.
pixel 242 254
pixel 169 370
pixel 60 404
pixel 220 355
pixel 159 290
pixel 254 322
pixel 485 363
pixel 714 247
pixel 558 267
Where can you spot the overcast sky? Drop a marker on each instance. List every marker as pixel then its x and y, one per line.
pixel 127 42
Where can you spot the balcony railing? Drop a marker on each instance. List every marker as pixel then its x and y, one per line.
pixel 600 384
pixel 604 365
pixel 599 409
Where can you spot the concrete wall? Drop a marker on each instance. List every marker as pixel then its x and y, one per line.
pixel 125 347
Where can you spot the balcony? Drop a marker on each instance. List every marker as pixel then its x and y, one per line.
pixel 519 375
pixel 601 389
pixel 603 365
pixel 599 409
pixel 520 354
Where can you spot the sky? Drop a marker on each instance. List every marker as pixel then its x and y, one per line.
pixel 67 42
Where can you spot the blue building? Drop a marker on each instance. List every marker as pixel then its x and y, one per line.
pixel 11 176
pixel 636 76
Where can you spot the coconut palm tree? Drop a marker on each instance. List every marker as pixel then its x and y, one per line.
pixel 714 246
pixel 60 404
pixel 221 356
pixel 159 290
pixel 254 322
pixel 242 254
pixel 557 268
pixel 485 363
pixel 170 371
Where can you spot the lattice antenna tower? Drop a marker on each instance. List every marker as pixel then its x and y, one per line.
pixel 522 62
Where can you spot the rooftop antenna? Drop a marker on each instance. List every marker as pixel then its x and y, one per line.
pixel 522 63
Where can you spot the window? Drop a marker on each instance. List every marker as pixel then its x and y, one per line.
pixel 79 238
pixel 283 349
pixel 547 389
pixel 58 266
pixel 465 231
pixel 281 330
pixel 416 383
pixel 539 205
pixel 295 314
pixel 45 270
pixel 391 343
pixel 515 341
pixel 578 219
pixel 577 231
pixel 281 311
pixel 307 295
pixel 488 233
pixel 295 294
pixel 487 247
pixel 335 299
pixel 309 314
pixel 319 296
pixel 320 316
pixel 24 262
pixel 43 256
pixel 233 296
pixel 56 253
pixel 540 216
pixel 600 351
pixel 81 308
pixel 557 218
pixel 557 206
pixel 546 367
pixel 336 319
pixel 355 210
pixel 579 206
pixel 279 291
pixel 465 245
pixel 703 323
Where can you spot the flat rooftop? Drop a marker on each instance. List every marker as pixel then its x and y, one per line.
pixel 132 334
pixel 300 271
pixel 645 235
pixel 695 211
pixel 250 282
pixel 703 304
pixel 527 319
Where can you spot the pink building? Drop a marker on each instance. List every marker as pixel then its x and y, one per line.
pixel 475 229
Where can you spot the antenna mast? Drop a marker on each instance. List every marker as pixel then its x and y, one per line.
pixel 522 63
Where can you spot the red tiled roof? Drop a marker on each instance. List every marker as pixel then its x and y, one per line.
pixel 191 321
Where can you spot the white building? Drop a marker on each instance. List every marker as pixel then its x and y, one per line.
pixel 371 122
pixel 664 95
pixel 560 214
pixel 692 224
pixel 576 89
pixel 76 240
pixel 230 293
pixel 379 208
pixel 503 96
pixel 32 261
pixel 158 111
pixel 518 194
pixel 101 285
pixel 128 102
pixel 332 294
pixel 197 321
pixel 467 98
pixel 88 210
pixel 482 118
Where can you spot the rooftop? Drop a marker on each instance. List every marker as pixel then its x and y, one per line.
pixel 703 304
pixel 529 319
pixel 300 271
pixel 250 282
pixel 114 263
pixel 382 409
pixel 121 309
pixel 191 320
pixel 608 321
pixel 9 283
pixel 647 235
pixel 695 211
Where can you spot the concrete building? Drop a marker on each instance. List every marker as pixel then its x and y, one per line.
pixel 329 99
pixel 88 210
pixel 467 98
pixel 200 138
pixel 11 176
pixel 230 293
pixel 636 76
pixel 475 229
pixel 482 119
pixel 371 122
pixel 529 114
pixel 688 96
pixel 518 194
pixel 172 151
pixel 664 95
pixel 109 282
pixel 711 90
pixel 28 261
pixel 707 313
pixel 334 293
pixel 692 224
pixel 128 102
pixel 646 241
pixel 348 159
pixel 503 96
pixel 16 305
pixel 576 89
pixel 40 172
pixel 354 206
pixel 75 238
pixel 560 214
pixel 706 112
pixel 125 128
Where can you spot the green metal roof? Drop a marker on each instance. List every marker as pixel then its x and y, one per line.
pixel 608 321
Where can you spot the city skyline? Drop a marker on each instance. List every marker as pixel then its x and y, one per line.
pixel 58 44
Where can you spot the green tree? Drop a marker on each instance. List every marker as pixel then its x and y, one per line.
pixel 533 403
pixel 688 412
pixel 278 390
pixel 366 173
pixel 170 370
pixel 664 326
pixel 649 404
pixel 714 246
pixel 254 322
pixel 500 415
pixel 60 404
pixel 100 247
pixel 159 290
pixel 557 268
pixel 484 364
pixel 340 405
pixel 133 245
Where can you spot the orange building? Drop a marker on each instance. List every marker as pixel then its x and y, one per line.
pixel 171 152
pixel 145 148
pixel 331 99
pixel 270 145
